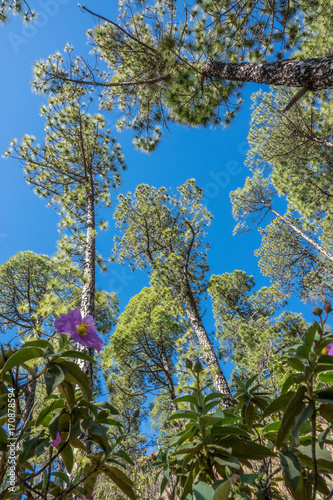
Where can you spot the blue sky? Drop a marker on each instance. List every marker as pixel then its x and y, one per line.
pixel 215 158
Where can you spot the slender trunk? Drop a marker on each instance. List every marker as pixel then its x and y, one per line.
pixel 88 290
pixel 220 383
pixel 302 234
pixel 170 383
pixel 312 74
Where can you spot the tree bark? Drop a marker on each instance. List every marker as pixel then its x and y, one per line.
pixel 171 387
pixel 220 383
pixel 311 74
pixel 301 233
pixel 88 290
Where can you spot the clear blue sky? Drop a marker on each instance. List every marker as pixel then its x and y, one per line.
pixel 213 157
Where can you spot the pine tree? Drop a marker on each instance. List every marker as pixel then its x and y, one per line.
pixel 74 168
pixel 166 232
pixel 247 327
pixel 189 65
pixel 291 155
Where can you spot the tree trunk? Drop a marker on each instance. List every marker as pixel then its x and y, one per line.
pixel 220 383
pixel 88 290
pixel 303 235
pixel 171 387
pixel 312 74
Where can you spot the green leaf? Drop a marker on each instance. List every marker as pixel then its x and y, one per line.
pixel 309 335
pixel 291 468
pixel 294 408
pixel 323 456
pixel 222 492
pixel 202 491
pixel 188 448
pixel 296 364
pixel 44 344
pixel 214 395
pixel 301 419
pixel 228 430
pixel 210 419
pixel 187 488
pixel 68 458
pixel 121 480
pixel 3 439
pixel 191 415
pixel 325 359
pixel 53 376
pixel 28 447
pixel 326 411
pixel 67 390
pixel 105 405
pixel 326 377
pixel 323 435
pixel 279 404
pixel 98 429
pixel 21 356
pixel 227 462
pixel 209 406
pixel 247 479
pixel 186 399
pixel 287 384
pixel 302 352
pixel 274 426
pixel 217 448
pixel 123 454
pixel 42 447
pixel 249 450
pixel 324 396
pixel 249 416
pixel 78 355
pixel 77 376
pixel 59 403
pixel 62 476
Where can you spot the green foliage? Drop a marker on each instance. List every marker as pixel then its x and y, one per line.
pixel 55 430
pixel 166 232
pixel 16 7
pixel 247 327
pixel 35 288
pixel 25 279
pixel 290 155
pixel 140 358
pixel 155 55
pixel 263 444
pixel 78 159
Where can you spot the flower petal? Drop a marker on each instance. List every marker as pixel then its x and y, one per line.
pixel 91 339
pixel 89 320
pixel 57 440
pixel 67 322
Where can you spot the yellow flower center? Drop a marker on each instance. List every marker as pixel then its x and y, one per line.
pixel 82 329
pixel 324 351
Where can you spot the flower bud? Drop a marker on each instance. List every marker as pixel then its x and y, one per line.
pixel 328 308
pixel 317 311
pixel 188 364
pixel 197 367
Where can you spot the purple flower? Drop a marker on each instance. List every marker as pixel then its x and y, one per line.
pixel 57 440
pixel 328 350
pixel 234 479
pixel 81 330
